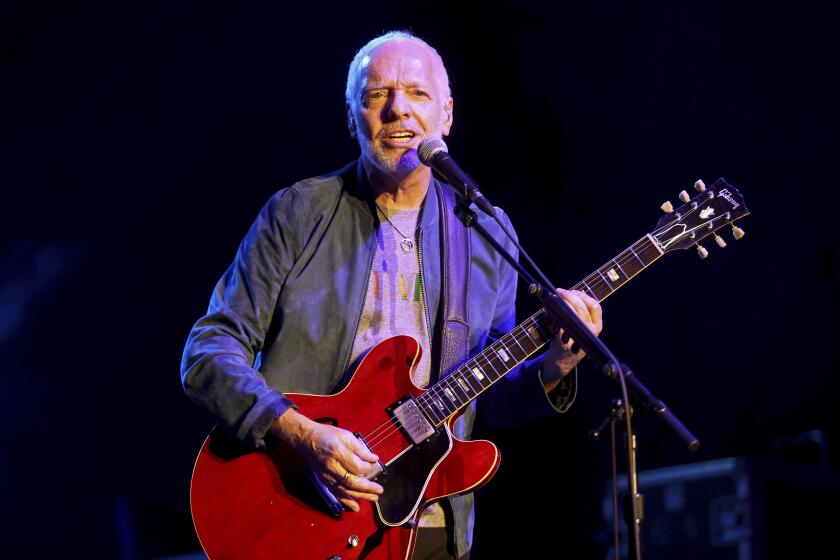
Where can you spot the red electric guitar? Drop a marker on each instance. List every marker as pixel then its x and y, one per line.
pixel 255 504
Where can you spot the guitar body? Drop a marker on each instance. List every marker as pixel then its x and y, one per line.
pixel 261 504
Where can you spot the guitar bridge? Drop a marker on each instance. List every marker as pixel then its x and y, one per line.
pixel 411 420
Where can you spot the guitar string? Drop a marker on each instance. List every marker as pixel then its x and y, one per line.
pixel 595 283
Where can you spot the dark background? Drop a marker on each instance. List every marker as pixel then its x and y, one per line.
pixel 140 139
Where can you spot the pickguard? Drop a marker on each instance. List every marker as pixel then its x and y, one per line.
pixel 407 477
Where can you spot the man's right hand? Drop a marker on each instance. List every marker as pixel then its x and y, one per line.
pixel 334 454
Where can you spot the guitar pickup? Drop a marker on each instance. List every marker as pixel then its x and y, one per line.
pixel 411 420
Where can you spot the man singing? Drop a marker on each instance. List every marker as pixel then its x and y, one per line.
pixel 336 263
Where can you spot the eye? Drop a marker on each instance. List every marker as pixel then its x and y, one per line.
pixel 376 94
pixel 420 93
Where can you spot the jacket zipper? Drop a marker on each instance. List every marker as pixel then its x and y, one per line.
pixel 423 299
pixel 371 255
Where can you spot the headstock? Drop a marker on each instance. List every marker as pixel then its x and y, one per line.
pixel 699 217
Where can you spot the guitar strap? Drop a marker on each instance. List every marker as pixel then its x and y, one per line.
pixel 454 331
pixel 455 243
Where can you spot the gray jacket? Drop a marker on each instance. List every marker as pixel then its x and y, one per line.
pixel 283 317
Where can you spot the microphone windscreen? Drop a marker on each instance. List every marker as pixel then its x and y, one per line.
pixel 428 147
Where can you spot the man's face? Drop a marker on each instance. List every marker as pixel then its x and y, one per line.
pixel 402 97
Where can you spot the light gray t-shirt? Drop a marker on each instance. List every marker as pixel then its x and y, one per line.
pixel 394 303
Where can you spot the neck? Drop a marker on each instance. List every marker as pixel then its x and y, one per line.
pixel 399 190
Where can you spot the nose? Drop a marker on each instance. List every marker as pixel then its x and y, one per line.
pixel 400 105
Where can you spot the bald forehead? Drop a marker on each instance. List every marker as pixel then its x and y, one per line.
pixel 411 62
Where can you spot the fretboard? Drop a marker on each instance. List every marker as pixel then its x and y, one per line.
pixel 476 375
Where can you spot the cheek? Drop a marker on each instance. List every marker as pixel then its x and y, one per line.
pixel 435 121
pixel 366 124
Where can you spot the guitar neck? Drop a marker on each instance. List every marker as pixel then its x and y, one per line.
pixel 477 374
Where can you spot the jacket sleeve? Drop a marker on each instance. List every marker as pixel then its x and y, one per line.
pixel 218 366
pixel 520 396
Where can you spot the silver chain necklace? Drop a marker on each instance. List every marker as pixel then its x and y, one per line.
pixel 407 244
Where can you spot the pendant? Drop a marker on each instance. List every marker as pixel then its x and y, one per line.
pixel 407 245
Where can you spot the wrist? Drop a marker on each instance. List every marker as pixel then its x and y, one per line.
pixel 552 371
pixel 289 426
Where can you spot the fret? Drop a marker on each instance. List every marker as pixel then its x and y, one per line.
pixel 533 340
pixel 545 334
pixel 478 374
pixel 439 403
pixel 535 335
pixel 588 289
pixel 512 334
pixel 452 397
pixel 467 378
pixel 585 284
pixel 637 256
pixel 618 265
pixel 629 265
pixel 490 363
pixel 507 349
pixel 613 277
pixel 455 386
pixel 431 411
pixel 502 353
pixel 465 387
pixel 444 403
pixel 606 282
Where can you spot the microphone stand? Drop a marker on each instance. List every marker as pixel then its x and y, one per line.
pixel 595 348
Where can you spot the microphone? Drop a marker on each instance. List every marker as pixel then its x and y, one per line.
pixel 433 153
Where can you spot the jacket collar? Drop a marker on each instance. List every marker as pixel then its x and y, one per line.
pixel 358 185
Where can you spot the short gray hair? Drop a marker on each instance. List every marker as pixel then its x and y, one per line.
pixel 350 92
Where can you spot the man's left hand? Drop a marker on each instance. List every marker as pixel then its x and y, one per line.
pixel 560 360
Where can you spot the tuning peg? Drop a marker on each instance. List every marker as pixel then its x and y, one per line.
pixel 700 185
pixel 684 196
pixel 667 207
pixel 721 242
pixel 702 251
pixel 737 232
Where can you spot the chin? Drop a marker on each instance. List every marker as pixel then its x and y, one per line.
pixel 389 162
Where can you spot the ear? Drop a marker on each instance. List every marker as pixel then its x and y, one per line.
pixel 447 121
pixel 351 121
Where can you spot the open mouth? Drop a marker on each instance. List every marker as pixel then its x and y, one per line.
pixel 400 136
